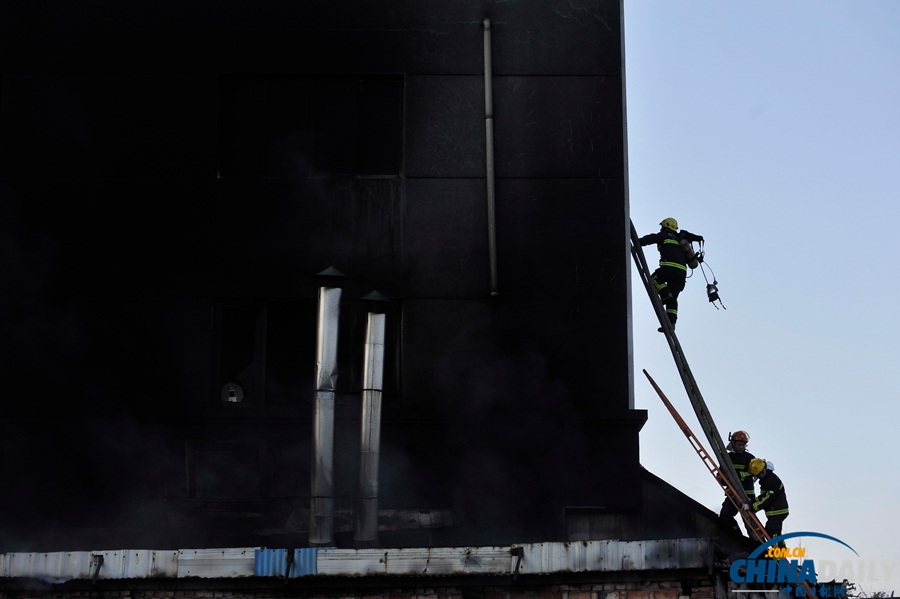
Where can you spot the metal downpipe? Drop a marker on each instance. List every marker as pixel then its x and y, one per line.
pixel 489 154
pixel 365 528
pixel 321 507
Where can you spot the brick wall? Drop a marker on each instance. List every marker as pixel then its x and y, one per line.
pixel 692 588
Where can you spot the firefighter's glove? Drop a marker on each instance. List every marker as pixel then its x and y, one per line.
pixel 746 507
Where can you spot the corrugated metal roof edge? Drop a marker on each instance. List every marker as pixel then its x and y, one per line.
pixel 520 558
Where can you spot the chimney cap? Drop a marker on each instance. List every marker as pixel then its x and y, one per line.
pixel 331 274
pixel 374 296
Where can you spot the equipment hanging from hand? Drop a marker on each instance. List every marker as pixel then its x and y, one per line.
pixel 712 291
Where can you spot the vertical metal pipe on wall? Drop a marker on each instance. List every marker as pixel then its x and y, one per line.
pixel 321 507
pixel 489 153
pixel 366 525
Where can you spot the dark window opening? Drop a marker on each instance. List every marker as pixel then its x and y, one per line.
pixel 241 126
pixel 224 470
pixel 335 126
pixel 357 126
pixel 380 126
pixel 282 126
pixel 240 344
pixel 287 131
pixel 292 352
pixel 273 344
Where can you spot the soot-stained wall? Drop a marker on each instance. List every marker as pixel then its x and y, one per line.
pixel 173 175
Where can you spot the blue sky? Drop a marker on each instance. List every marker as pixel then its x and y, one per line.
pixel 773 129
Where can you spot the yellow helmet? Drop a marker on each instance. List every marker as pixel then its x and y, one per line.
pixel 670 223
pixel 756 466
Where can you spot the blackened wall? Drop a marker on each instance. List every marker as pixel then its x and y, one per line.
pixel 172 177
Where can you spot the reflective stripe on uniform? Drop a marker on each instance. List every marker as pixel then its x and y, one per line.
pixel 674 265
pixel 770 513
pixel 762 499
pixel 675 312
pixel 672 241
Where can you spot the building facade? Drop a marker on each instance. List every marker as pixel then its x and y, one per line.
pixel 173 177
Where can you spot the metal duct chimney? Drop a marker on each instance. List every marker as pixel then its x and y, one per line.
pixel 321 506
pixel 365 530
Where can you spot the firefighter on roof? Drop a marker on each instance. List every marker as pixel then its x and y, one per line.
pixel 772 497
pixel 740 459
pixel 669 278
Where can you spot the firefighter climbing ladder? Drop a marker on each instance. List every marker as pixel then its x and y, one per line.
pixel 690 385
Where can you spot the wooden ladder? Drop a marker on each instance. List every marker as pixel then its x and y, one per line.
pixel 757 530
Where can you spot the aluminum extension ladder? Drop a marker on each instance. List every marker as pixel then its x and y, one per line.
pixel 690 385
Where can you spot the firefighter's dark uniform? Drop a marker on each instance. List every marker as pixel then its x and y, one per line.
pixel 741 463
pixel 670 276
pixel 773 500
